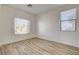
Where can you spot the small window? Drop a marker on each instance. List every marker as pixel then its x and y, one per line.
pixel 67 21
pixel 22 26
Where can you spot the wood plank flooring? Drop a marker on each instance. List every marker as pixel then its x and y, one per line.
pixel 36 46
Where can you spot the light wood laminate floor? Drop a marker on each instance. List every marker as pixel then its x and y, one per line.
pixel 36 46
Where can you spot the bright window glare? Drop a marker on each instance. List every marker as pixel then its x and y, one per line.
pixel 22 26
pixel 68 25
pixel 69 14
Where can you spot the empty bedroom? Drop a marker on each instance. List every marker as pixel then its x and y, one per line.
pixel 39 29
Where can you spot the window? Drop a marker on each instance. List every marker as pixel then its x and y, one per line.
pixel 22 26
pixel 68 20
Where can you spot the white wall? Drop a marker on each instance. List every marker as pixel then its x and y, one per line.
pixel 7 15
pixel 49 27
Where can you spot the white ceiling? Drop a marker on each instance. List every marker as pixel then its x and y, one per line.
pixel 36 8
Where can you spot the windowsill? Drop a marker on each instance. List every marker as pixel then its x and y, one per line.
pixel 22 33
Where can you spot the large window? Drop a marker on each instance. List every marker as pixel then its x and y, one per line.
pixel 22 26
pixel 68 20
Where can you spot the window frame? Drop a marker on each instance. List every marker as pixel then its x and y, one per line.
pixel 68 20
pixel 15 26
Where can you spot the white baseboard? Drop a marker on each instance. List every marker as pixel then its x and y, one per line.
pixel 33 36
pixel 16 39
pixel 49 39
